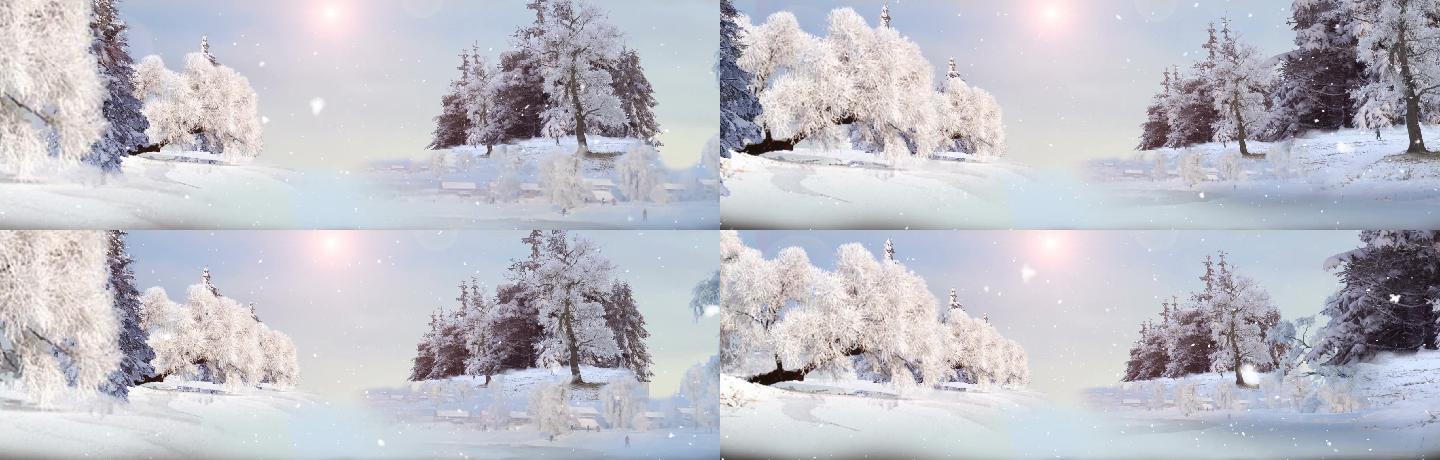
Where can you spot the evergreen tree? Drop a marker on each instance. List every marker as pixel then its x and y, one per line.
pixel 1319 77
pixel 424 362
pixel 449 346
pixel 453 123
pixel 133 340
pixel 738 105
pixel 1386 302
pixel 1397 43
pixel 517 99
pixel 1156 129
pixel 1192 115
pixel 205 280
pixel 205 50
pixel 637 98
pixel 628 326
pixel 1190 343
pixel 126 130
pixel 1240 83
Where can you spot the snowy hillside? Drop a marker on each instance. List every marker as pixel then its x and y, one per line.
pixel 815 188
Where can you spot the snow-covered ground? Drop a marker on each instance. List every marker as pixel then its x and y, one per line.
pixel 193 190
pixel 411 193
pixel 153 193
pixel 1342 179
pixel 201 420
pixel 441 417
pixel 820 418
pixel 1339 180
pixel 815 188
pixel 1400 418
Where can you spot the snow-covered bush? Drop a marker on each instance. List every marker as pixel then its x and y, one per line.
pixel 550 409
pixel 561 180
pixel 1192 167
pixel 622 403
pixel 50 93
pixel 57 320
pixel 1159 171
pixel 1156 401
pixel 209 107
pixel 497 404
pixel 1297 389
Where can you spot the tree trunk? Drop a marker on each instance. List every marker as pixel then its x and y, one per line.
pixel 778 375
pixel 770 144
pixel 1412 98
pixel 568 320
pixel 1239 124
pixel 574 87
pixel 1235 351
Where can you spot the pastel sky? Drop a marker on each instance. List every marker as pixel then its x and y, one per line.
pixel 1072 76
pixel 381 66
pixel 356 303
pixel 1080 312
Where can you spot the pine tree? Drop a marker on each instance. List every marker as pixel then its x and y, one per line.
pixel 1397 44
pixel 205 280
pixel 453 122
pixel 1386 300
pixel 133 340
pixel 205 50
pixel 738 105
pixel 517 100
pixel 424 362
pixel 1319 77
pixel 1240 82
pixel 628 326
pixel 889 251
pixel 1156 129
pixel 450 348
pixel 637 98
pixel 1192 115
pixel 126 131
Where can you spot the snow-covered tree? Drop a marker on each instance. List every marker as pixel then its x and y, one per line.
pixel 424 360
pixel 215 339
pixel 1241 312
pixel 637 98
pixel 1387 299
pixel 560 178
pixel 1399 43
pixel 1189 342
pixel 799 82
pixel 51 97
pixel 126 130
pixel 208 107
pixel 628 326
pixel 571 47
pixel 449 345
pixel 701 387
pixel 1239 81
pixel 748 304
pixel 705 296
pixel 453 125
pixel 1320 76
pixel 476 325
pixel 971 117
pixel 738 105
pixel 562 279
pixel 281 366
pixel 622 403
pixel 506 187
pixel 476 101
pixel 1192 114
pixel 642 176
pixel 550 409
pixel 517 97
pixel 132 340
pixel 1155 132
pixel 57 319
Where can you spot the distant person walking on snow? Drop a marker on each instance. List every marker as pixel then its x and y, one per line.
pixel 627 440
pixel 644 214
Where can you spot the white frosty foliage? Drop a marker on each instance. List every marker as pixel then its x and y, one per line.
pixel 574 322
pixel 550 409
pixel 622 403
pixel 208 106
pixel 50 92
pixel 561 180
pixel 570 47
pixel 642 177
pixel 215 338
pixel 57 324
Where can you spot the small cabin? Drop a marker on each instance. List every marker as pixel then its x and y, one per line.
pixel 459 188
pixel 531 190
